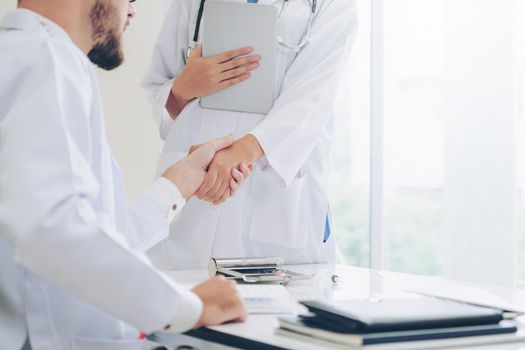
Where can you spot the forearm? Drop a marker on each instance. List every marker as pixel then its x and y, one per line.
pixel 41 250
pixel 175 104
pixel 300 115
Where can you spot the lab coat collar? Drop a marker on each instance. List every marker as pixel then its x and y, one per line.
pixel 24 19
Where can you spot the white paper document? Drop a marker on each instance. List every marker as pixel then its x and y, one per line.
pixel 266 299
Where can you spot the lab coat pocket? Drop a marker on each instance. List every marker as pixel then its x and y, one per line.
pixel 167 159
pixel 109 344
pixel 276 215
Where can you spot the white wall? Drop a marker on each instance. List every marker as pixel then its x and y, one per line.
pixel 131 130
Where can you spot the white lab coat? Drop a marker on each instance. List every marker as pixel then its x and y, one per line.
pixel 281 209
pixel 70 249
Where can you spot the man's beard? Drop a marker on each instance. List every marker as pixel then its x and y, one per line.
pixel 107 49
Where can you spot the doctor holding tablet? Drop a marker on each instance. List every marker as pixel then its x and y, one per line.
pixel 282 209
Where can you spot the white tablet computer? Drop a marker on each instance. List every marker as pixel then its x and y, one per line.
pixel 232 25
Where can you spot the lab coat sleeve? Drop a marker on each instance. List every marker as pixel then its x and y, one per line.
pixel 167 62
pixel 48 201
pixel 150 214
pixel 293 127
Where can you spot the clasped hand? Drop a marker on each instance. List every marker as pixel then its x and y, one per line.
pixel 210 170
pixel 224 176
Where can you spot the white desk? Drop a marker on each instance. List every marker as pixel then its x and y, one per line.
pixel 259 331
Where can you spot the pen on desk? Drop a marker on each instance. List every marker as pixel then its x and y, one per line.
pixel 326 274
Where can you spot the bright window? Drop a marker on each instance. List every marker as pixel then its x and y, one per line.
pixel 435 88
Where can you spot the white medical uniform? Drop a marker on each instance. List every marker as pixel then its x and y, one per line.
pixel 281 209
pixel 71 265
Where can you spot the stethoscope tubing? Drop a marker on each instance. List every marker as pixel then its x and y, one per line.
pixel 280 41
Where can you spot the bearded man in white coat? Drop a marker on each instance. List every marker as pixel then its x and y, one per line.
pixel 72 270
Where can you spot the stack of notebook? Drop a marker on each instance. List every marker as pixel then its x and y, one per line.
pixel 359 323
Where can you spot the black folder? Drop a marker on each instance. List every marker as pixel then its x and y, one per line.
pixel 362 316
pixel 293 326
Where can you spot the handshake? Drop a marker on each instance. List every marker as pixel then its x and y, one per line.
pixel 212 171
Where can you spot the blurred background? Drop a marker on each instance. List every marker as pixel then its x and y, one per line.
pixel 428 164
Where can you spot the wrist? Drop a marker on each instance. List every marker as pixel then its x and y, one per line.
pixel 176 100
pixel 249 149
pixel 181 175
pixel 175 104
pixel 178 92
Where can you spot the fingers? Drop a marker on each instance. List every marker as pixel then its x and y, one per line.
pixel 235 182
pixel 230 82
pixel 217 190
pixel 225 184
pixel 202 156
pixel 229 55
pixel 209 182
pixel 221 142
pixel 194 148
pixel 246 170
pixel 234 186
pixel 235 309
pixel 237 176
pixel 239 62
pixel 227 194
pixel 221 302
pixel 238 71
pixel 243 313
pixel 196 53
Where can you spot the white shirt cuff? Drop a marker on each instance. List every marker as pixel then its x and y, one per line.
pixel 164 119
pixel 168 198
pixel 266 164
pixel 188 311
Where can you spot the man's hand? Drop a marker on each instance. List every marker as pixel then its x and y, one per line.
pixel 188 173
pixel 221 302
pixel 216 187
pixel 239 174
pixel 205 75
pixel 217 181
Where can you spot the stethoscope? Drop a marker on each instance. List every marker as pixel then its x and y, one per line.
pixel 280 40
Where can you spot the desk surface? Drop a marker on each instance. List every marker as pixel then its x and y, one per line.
pixel 259 330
